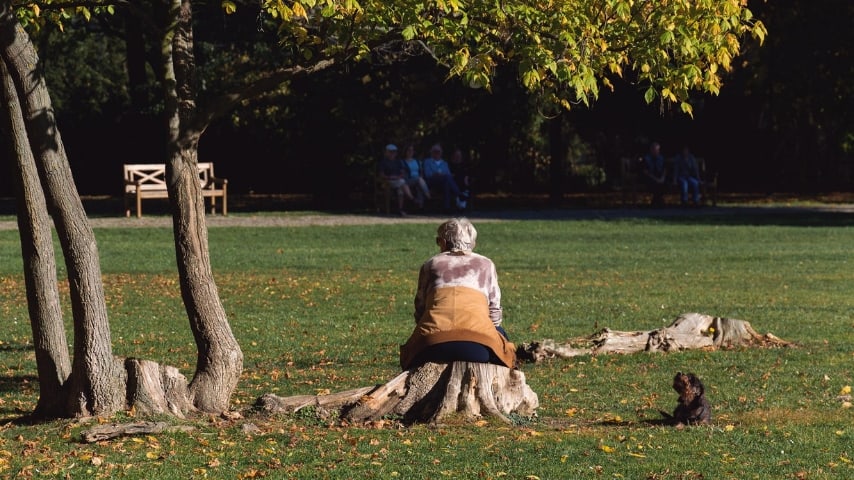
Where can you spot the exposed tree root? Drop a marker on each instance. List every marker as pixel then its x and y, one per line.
pixel 688 331
pixel 114 430
pixel 429 393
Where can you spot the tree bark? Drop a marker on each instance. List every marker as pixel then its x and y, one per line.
pixel 51 348
pixel 95 378
pixel 220 360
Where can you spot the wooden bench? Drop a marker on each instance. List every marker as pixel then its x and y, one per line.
pixel 709 187
pixel 148 180
pixel 630 179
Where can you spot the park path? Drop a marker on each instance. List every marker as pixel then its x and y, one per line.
pixel 298 219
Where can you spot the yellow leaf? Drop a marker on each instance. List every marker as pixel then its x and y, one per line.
pixel 729 428
pixel 638 455
pixel 606 449
pixel 845 390
pixel 299 11
pixel 150 455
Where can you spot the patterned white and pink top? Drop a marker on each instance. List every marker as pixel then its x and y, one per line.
pixel 450 269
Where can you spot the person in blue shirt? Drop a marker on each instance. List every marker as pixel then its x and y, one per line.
pixel 415 180
pixel 438 175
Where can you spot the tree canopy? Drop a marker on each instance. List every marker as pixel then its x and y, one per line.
pixel 564 51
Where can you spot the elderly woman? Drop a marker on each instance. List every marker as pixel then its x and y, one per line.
pixel 457 305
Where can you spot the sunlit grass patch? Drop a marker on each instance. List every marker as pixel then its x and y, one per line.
pixel 323 309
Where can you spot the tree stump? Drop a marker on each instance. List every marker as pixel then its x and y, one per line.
pixel 154 389
pixel 688 331
pixel 429 393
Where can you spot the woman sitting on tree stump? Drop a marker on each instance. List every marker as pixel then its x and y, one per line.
pixel 457 305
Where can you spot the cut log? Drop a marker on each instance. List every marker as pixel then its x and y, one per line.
pixel 688 331
pixel 429 393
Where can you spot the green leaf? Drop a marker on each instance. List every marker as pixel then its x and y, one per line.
pixel 408 32
pixel 229 7
pixel 649 95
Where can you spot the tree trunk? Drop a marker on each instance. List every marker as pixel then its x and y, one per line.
pixel 51 349
pixel 95 378
pixel 432 393
pixel 220 360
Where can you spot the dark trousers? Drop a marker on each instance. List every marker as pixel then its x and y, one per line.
pixel 458 351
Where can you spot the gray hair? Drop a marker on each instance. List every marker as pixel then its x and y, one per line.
pixel 458 235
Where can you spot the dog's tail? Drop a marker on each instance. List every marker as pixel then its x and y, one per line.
pixel 666 415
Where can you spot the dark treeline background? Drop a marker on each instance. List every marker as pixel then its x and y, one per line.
pixel 782 122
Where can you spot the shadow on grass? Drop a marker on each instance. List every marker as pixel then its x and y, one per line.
pixel 9 413
pixel 736 216
pixel 16 383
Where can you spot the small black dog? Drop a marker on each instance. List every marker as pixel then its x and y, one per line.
pixel 693 407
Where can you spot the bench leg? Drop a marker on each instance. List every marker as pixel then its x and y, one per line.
pixel 138 205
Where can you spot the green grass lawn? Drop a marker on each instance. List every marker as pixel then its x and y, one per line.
pixel 324 309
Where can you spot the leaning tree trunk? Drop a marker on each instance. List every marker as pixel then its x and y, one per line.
pixel 431 393
pixel 52 360
pixel 96 376
pixel 220 360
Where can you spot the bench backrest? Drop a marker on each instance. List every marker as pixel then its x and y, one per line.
pixel 152 176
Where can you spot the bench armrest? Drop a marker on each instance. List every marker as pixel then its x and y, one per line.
pixel 217 181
